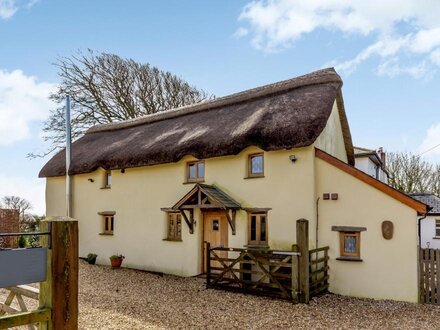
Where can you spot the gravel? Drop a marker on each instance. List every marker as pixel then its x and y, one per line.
pixel 130 299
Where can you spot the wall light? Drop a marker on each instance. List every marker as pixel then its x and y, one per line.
pixel 292 158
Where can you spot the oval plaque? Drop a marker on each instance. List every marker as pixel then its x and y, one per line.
pixel 387 229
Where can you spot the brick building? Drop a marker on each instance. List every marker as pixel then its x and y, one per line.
pixel 9 223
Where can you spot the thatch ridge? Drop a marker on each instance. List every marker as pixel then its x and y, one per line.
pixel 322 76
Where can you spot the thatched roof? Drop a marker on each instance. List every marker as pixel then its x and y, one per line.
pixel 284 115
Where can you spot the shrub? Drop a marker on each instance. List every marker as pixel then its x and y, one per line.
pixel 117 256
pixel 22 242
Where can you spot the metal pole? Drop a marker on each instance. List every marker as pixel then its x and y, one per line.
pixel 68 155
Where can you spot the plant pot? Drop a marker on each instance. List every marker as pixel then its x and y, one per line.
pixel 116 263
pixel 91 261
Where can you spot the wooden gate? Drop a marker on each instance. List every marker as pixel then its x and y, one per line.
pixel 429 276
pixel 263 272
pixel 297 274
pixel 58 295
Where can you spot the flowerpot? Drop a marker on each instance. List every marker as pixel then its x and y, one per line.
pixel 116 263
pixel 91 261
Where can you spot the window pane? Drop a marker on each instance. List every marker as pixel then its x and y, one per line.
pixel 350 244
pixel 192 171
pixel 179 226
pixel 257 164
pixel 108 179
pixel 106 223
pixel 201 170
pixel 170 226
pixel 437 227
pixel 112 223
pixel 253 228
pixel 263 228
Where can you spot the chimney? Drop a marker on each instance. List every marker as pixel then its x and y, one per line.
pixel 382 155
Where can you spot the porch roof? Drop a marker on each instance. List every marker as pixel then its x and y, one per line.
pixel 216 197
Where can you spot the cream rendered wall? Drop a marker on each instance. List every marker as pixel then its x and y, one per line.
pixel 138 194
pixel 331 139
pixel 389 267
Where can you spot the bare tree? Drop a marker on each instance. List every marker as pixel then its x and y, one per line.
pixel 411 174
pixel 106 88
pixel 16 203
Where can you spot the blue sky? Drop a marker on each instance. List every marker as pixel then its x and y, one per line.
pixel 388 54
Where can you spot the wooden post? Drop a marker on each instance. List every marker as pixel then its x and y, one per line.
pixel 208 264
pixel 295 269
pixel 302 240
pixel 60 291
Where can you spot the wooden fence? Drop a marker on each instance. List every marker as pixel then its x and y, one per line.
pixel 319 278
pixel 295 275
pixel 17 293
pixel 58 298
pixel 429 276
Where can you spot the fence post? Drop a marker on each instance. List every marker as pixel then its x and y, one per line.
pixel 208 264
pixel 60 291
pixel 302 240
pixel 295 267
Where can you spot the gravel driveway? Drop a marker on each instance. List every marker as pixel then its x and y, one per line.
pixel 129 299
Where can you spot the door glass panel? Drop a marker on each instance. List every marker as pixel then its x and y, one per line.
pixel 350 244
pixel 253 228
pixel 215 224
pixel 263 228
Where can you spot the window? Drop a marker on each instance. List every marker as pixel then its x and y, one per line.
pixel 437 228
pixel 108 179
pixel 257 233
pixel 350 244
pixel 256 165
pixel 109 225
pixel 195 171
pixel 174 226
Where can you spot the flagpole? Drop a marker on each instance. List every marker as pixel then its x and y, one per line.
pixel 68 156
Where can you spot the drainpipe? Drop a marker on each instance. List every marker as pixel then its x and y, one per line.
pixel 68 155
pixel 419 234
pixel 317 223
pixel 419 221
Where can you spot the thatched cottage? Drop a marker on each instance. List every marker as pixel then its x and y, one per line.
pixel 239 171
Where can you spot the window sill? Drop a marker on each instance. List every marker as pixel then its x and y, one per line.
pixel 193 182
pixel 254 177
pixel 106 187
pixel 357 259
pixel 105 234
pixel 172 240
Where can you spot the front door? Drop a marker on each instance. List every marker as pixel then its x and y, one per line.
pixel 215 231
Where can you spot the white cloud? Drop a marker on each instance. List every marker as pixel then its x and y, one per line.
pixel 23 100
pixel 276 24
pixel 8 8
pixel 429 146
pixel 31 189
pixel 240 33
